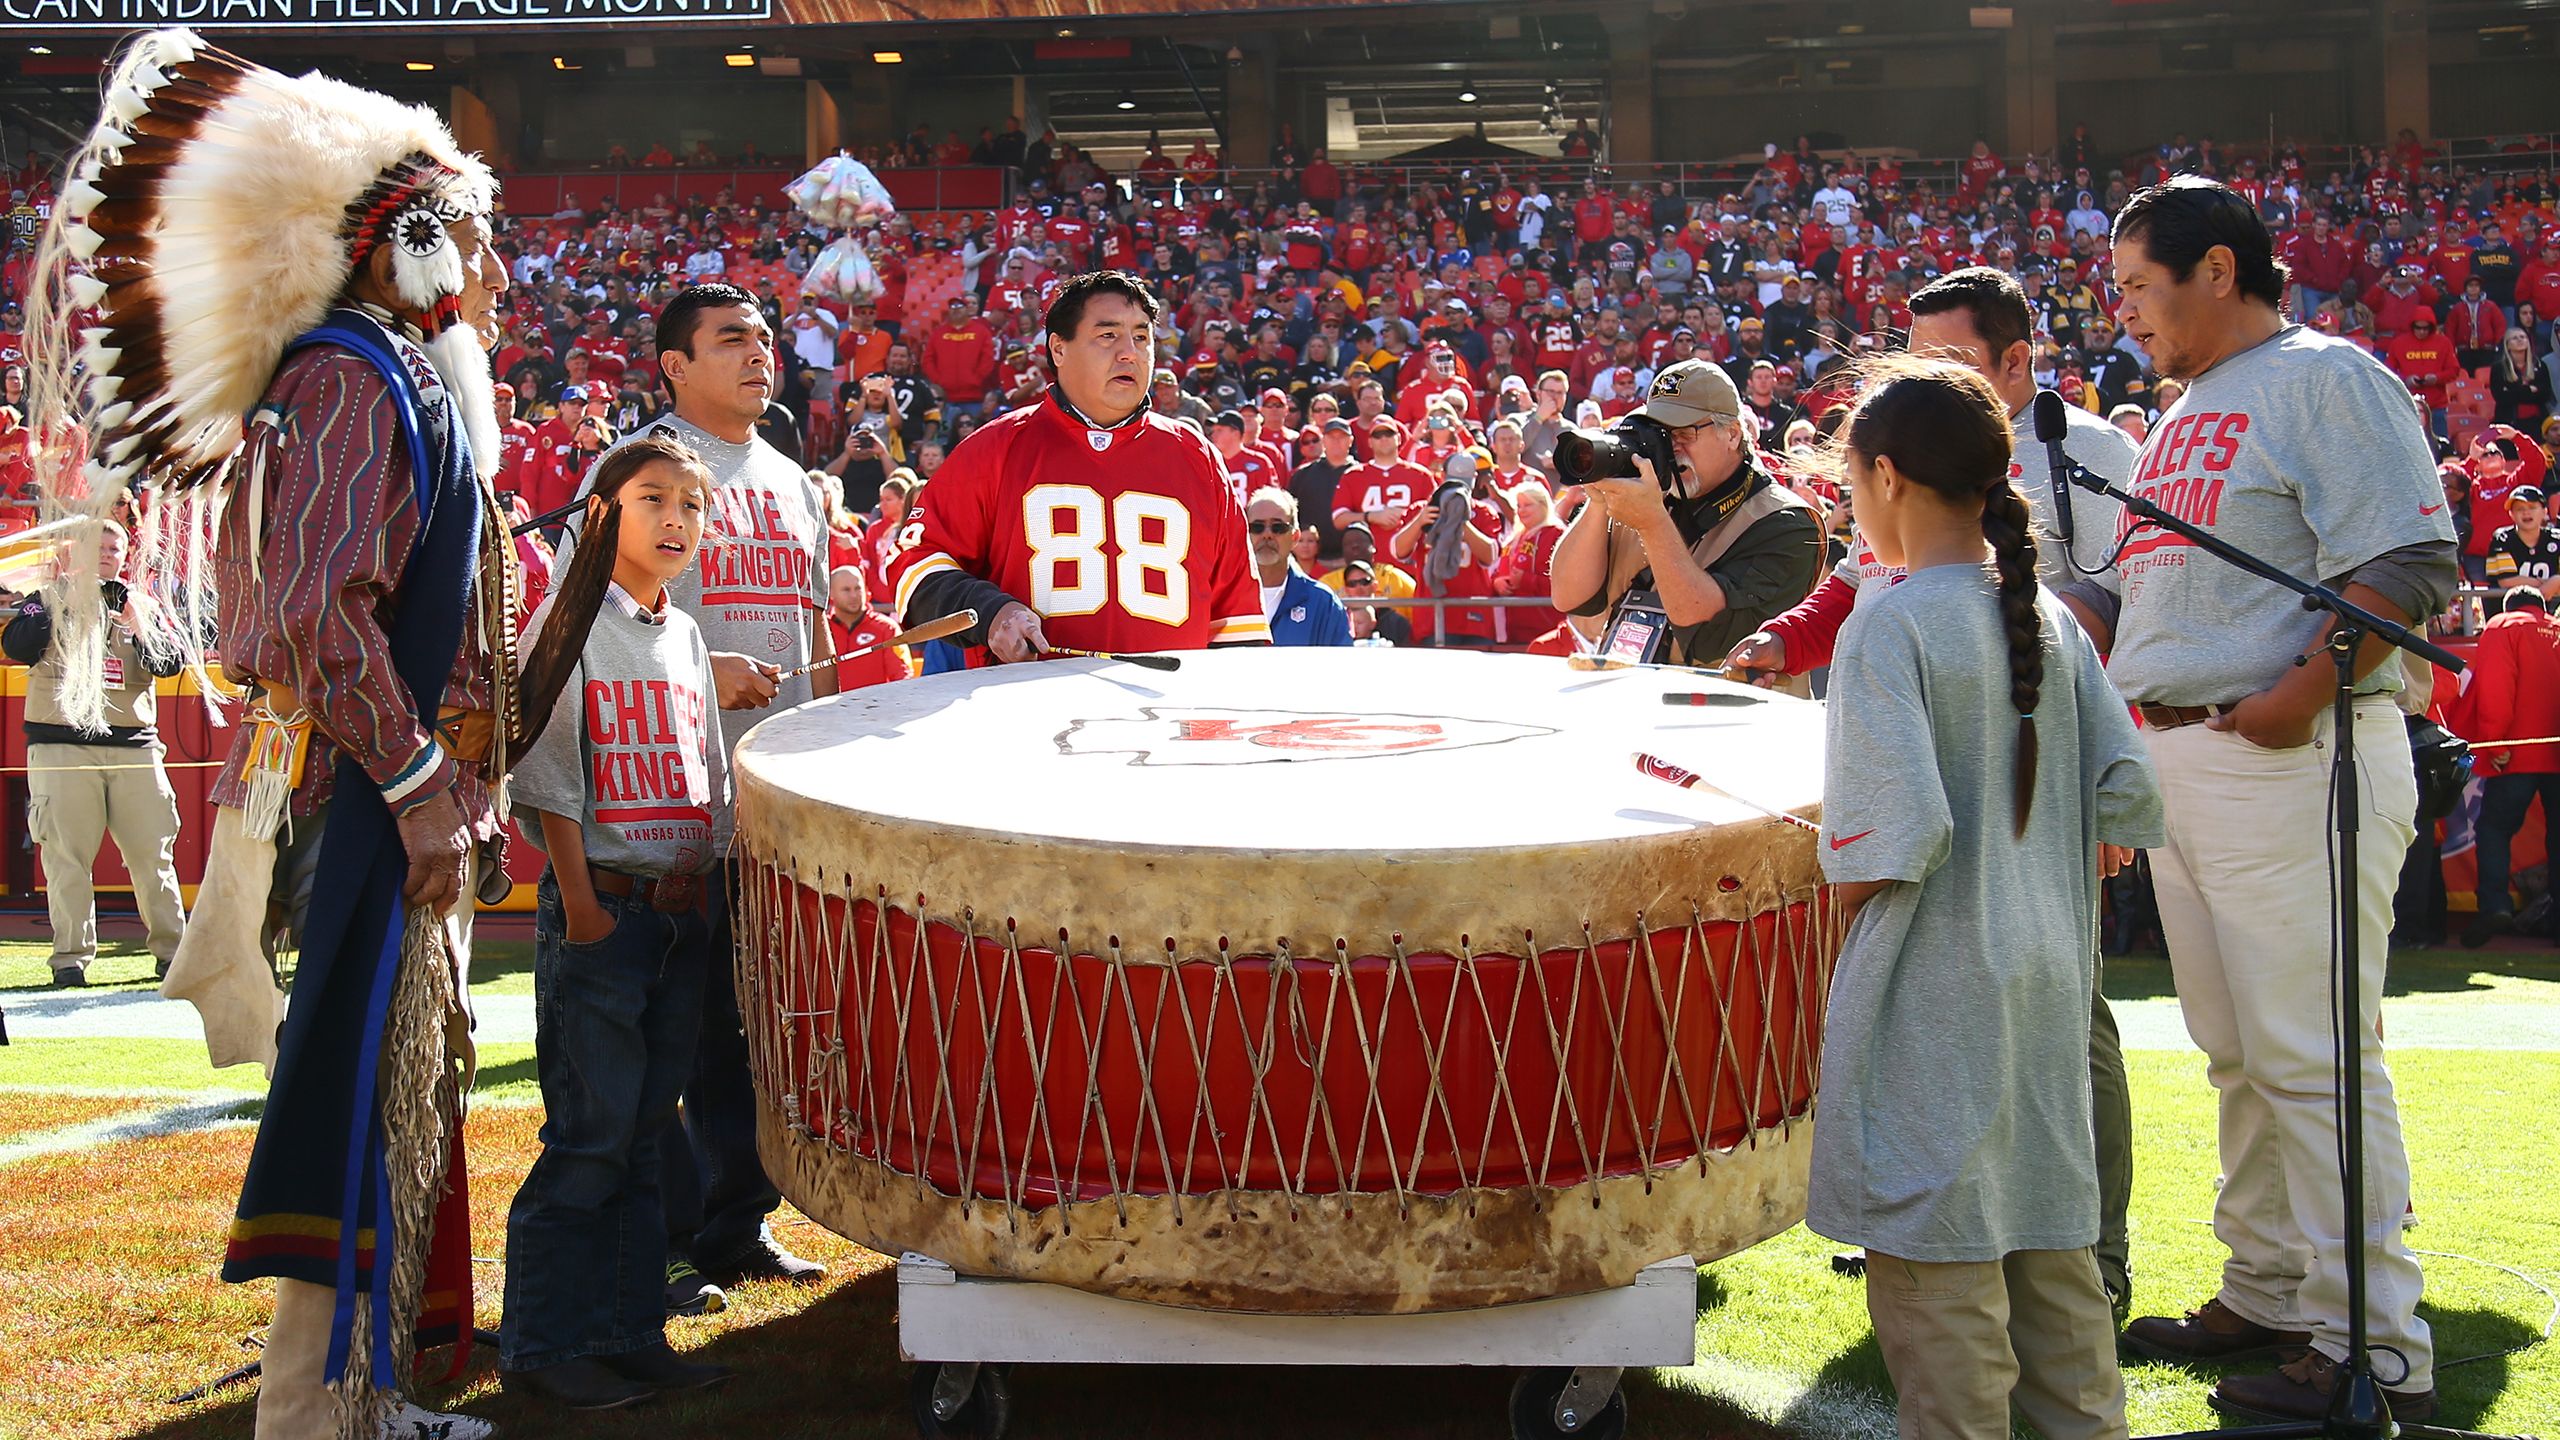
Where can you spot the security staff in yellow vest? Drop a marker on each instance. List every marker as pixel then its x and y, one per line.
pixel 83 787
pixel 1683 570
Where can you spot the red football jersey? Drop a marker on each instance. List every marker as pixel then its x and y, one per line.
pixel 1122 540
pixel 1251 470
pixel 1371 486
pixel 518 458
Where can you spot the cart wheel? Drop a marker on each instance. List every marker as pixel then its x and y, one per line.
pixel 981 1410
pixel 1533 1409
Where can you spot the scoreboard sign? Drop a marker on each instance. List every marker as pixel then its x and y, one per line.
pixel 332 14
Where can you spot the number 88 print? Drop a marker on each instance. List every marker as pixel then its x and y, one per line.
pixel 1074 536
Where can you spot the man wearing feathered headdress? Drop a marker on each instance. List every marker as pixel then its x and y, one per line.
pixel 273 297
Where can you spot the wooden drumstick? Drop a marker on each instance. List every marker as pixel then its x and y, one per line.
pixel 1603 662
pixel 1661 769
pixel 1710 697
pixel 951 624
pixel 1145 662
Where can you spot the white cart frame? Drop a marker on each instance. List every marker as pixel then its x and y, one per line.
pixel 957 1325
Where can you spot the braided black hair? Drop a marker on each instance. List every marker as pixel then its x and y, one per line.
pixel 2013 552
pixel 1945 429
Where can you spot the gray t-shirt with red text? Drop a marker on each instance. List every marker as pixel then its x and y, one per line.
pixel 630 752
pixel 2302 450
pixel 760 582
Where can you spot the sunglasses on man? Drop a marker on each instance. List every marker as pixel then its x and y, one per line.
pixel 1269 527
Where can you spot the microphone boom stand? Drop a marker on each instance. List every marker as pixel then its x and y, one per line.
pixel 2357 1410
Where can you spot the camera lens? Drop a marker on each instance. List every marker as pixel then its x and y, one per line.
pixel 1583 455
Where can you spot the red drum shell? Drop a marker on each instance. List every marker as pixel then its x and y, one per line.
pixel 1026 990
pixel 1039 1081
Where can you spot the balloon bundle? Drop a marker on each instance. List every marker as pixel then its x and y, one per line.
pixel 843 271
pixel 841 193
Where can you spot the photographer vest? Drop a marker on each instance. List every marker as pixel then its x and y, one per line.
pixel 131 689
pixel 1638 629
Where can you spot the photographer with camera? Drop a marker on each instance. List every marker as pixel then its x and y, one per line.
pixel 84 786
pixel 1686 544
pixel 871 441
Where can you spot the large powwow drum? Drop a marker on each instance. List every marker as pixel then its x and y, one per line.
pixel 1320 981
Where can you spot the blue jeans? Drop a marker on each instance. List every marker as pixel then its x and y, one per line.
pixel 613 1038
pixel 716 1192
pixel 2504 799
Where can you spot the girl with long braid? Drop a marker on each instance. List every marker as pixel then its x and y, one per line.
pixel 1977 757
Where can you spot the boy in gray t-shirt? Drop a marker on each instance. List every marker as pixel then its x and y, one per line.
pixel 619 787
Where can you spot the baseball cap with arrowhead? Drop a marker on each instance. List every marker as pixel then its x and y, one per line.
pixel 1692 392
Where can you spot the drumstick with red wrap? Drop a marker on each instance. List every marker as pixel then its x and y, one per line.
pixel 1661 769
pixel 951 624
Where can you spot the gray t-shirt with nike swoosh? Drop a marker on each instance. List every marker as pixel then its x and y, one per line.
pixel 1954 1122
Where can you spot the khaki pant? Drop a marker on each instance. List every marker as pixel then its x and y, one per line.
pixel 2111 1115
pixel 2245 903
pixel 294 1401
pixel 1966 1341
pixel 77 796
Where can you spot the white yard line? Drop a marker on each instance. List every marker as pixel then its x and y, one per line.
pixel 167 1120
pixel 144 1015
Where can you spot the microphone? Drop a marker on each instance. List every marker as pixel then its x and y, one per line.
pixel 2050 428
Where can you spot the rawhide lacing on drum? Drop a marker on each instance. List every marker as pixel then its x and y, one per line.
pixel 947 1064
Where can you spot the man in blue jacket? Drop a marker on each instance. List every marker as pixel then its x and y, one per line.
pixel 1301 611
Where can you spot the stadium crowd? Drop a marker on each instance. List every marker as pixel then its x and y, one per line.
pixel 1545 293
pixel 1347 334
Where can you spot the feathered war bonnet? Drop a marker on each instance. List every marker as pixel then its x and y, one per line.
pixel 216 212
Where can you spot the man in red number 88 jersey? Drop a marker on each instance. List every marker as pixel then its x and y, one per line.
pixel 1087 520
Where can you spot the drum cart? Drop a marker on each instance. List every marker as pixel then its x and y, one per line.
pixel 965 1331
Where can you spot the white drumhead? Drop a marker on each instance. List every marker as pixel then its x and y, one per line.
pixel 1388 752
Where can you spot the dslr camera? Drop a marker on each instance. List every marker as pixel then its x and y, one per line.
pixel 1584 455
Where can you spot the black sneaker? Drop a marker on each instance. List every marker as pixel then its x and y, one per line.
pixel 72 979
pixel 2485 926
pixel 763 1259
pixel 581 1384
pixel 688 1293
pixel 660 1370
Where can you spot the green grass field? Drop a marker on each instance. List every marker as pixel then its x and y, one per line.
pixel 115 1245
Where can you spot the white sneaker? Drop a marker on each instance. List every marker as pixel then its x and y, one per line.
pixel 412 1422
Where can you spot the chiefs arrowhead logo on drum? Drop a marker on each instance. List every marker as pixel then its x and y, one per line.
pixel 1165 736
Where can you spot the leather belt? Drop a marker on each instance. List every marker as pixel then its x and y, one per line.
pixel 466 734
pixel 2172 717
pixel 667 894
